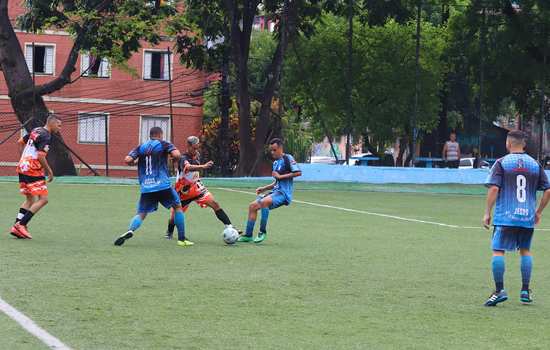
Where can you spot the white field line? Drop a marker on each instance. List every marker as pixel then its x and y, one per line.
pixel 395 217
pixel 31 327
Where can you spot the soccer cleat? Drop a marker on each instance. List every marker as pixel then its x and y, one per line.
pixel 496 297
pixel 20 231
pixel 120 240
pixel 169 235
pixel 261 237
pixel 245 239
pixel 525 297
pixel 185 243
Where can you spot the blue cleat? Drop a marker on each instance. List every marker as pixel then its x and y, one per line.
pixel 525 297
pixel 496 297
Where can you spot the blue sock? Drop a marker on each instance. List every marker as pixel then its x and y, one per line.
pixel 263 221
pixel 179 220
pixel 135 223
pixel 250 228
pixel 526 267
pixel 498 272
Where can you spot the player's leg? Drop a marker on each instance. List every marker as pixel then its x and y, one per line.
pixel 171 225
pixel 208 200
pixel 253 208
pixel 31 190
pixel 16 228
pixel 524 244
pixel 502 241
pixel 148 203
pixel 170 199
pixel 278 199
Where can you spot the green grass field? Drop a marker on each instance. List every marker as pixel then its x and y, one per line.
pixel 324 279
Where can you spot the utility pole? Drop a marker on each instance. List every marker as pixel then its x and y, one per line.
pixel 542 114
pixel 482 35
pixel 349 81
pixel 170 95
pixel 225 103
pixel 417 85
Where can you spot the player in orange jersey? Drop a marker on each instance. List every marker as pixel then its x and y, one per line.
pixel 189 186
pixel 33 169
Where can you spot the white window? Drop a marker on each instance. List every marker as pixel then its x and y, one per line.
pixel 149 121
pixel 155 65
pixel 92 127
pixel 91 66
pixel 42 60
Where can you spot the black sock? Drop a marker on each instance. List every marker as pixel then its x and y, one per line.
pixel 499 286
pixel 525 287
pixel 222 216
pixel 171 227
pixel 26 218
pixel 22 212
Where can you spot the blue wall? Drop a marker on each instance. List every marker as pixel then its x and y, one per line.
pixel 384 175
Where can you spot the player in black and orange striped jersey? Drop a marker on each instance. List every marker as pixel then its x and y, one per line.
pixel 32 169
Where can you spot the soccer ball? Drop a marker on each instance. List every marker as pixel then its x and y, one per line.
pixel 230 235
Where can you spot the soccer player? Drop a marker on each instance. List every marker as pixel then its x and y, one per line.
pixel 32 169
pixel 154 180
pixel 284 170
pixel 190 188
pixel 513 184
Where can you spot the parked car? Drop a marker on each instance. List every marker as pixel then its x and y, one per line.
pixel 468 163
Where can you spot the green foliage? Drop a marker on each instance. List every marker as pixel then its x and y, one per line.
pixel 383 76
pixel 113 29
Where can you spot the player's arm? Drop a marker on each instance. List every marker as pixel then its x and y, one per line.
pixel 492 195
pixel 269 187
pixel 458 150
pixel 543 203
pixel 287 176
pixel 204 166
pixel 444 152
pixel 132 157
pixel 45 165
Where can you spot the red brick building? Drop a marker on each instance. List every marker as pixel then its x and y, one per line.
pixel 107 111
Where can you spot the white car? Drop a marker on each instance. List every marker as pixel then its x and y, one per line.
pixel 468 163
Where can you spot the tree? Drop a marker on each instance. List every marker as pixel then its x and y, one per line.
pixel 207 21
pixel 384 77
pixel 112 29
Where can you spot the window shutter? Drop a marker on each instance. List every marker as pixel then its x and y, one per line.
pixel 147 65
pixel 166 71
pixel 48 60
pixel 104 68
pixel 28 57
pixel 85 64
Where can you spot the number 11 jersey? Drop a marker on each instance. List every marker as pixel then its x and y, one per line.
pixel 518 177
pixel 152 159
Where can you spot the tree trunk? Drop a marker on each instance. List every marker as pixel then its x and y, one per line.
pixel 27 104
pixel 241 19
pixel 287 31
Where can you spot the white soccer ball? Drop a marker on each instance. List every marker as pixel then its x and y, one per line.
pixel 230 235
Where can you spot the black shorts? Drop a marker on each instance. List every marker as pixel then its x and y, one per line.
pixel 26 179
pixel 453 164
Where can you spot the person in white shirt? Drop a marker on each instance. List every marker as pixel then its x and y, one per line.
pixel 451 152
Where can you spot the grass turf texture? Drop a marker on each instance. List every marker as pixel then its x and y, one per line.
pixel 324 279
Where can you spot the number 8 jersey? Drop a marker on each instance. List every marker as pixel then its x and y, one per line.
pixel 519 177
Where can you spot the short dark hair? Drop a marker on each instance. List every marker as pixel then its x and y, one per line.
pixel 517 136
pixel 52 117
pixel 276 141
pixel 155 131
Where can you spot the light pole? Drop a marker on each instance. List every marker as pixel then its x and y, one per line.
pixel 417 84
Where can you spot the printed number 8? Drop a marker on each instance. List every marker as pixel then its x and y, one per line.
pixel 521 192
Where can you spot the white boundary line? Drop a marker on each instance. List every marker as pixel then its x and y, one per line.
pixel 31 327
pixel 400 218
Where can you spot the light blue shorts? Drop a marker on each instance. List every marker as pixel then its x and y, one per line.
pixel 278 199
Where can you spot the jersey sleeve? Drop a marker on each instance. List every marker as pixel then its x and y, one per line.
pixel 134 153
pixel 543 180
pixel 168 147
pixel 42 142
pixel 496 177
pixel 294 168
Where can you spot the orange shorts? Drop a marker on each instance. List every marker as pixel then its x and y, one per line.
pixel 195 193
pixel 35 188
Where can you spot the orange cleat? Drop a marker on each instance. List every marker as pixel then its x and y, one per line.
pixel 20 231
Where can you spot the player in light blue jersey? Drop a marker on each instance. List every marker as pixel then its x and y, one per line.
pixel 513 184
pixel 152 161
pixel 284 170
